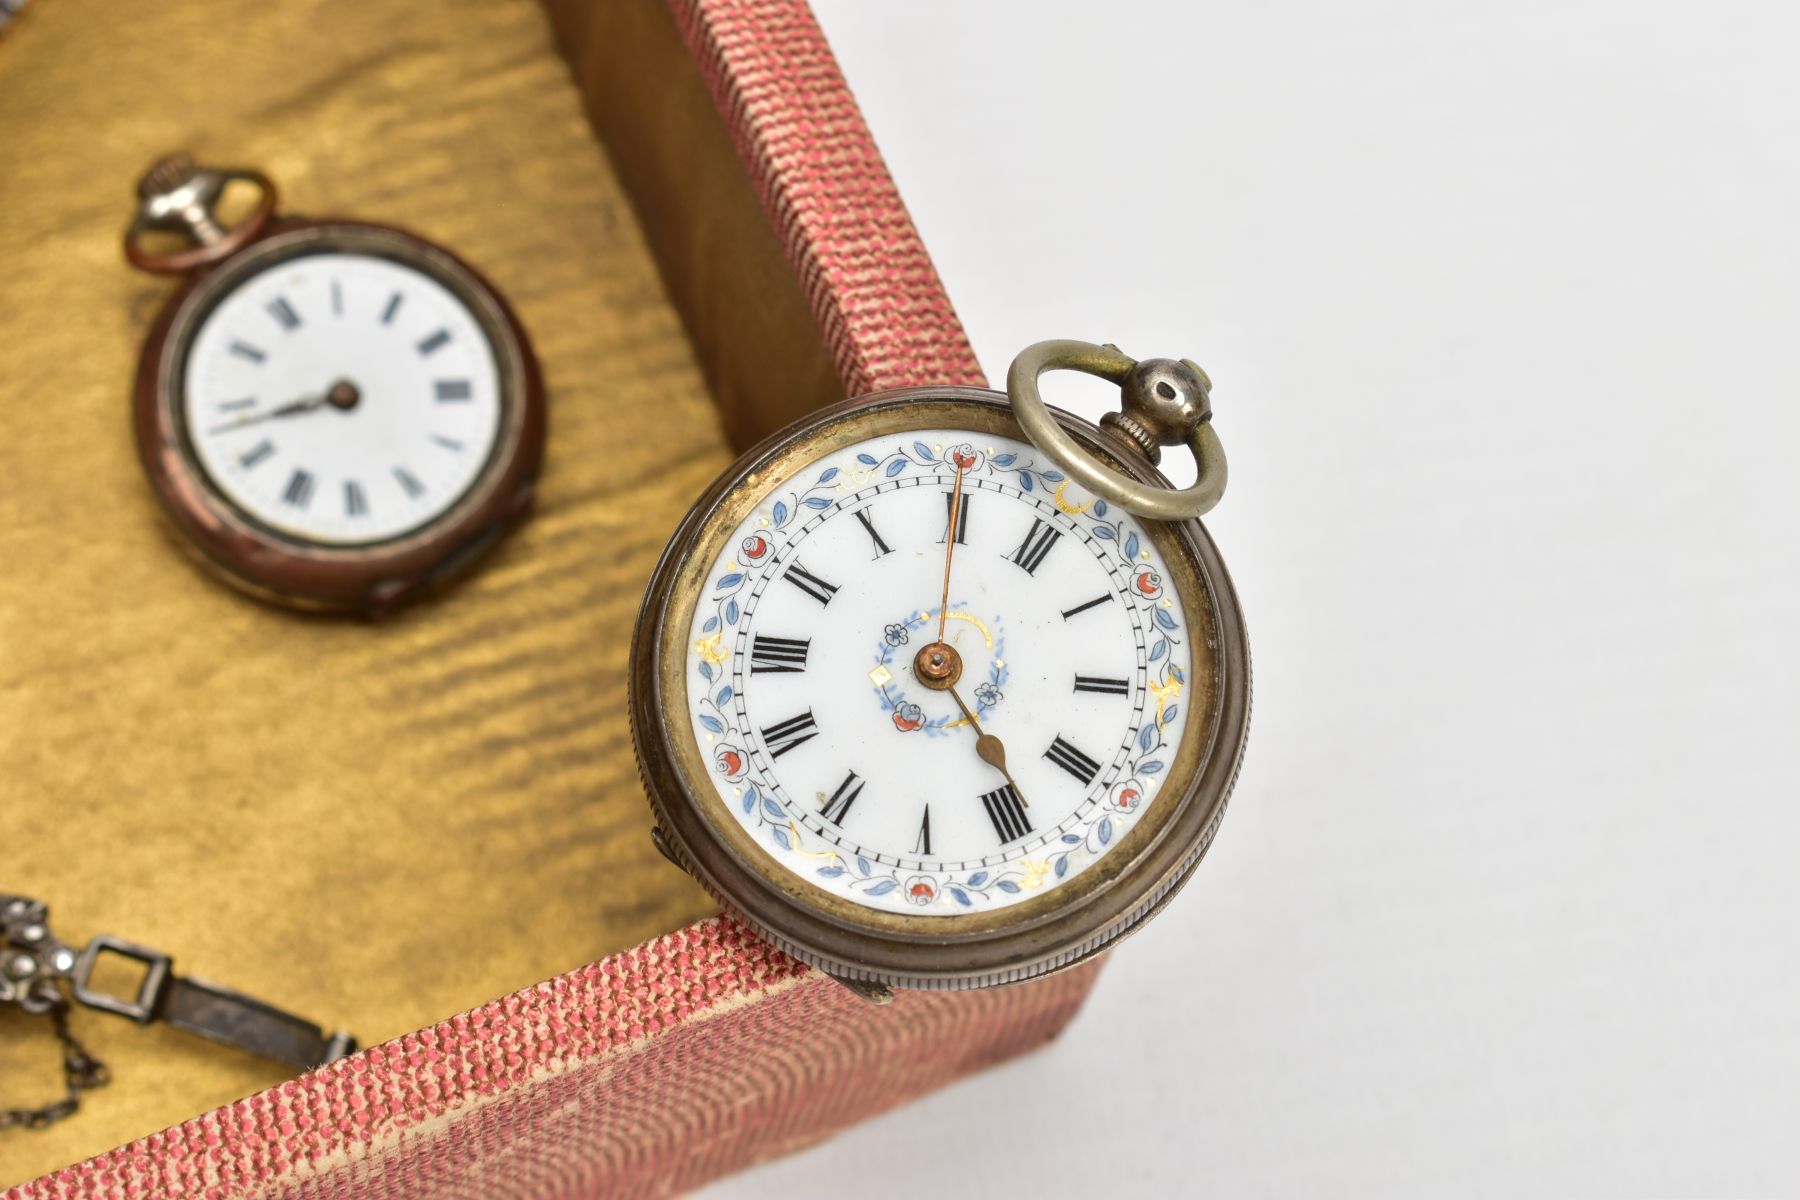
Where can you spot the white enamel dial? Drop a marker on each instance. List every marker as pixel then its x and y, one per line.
pixel 342 398
pixel 849 772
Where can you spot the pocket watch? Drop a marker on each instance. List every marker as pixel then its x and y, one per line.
pixel 942 688
pixel 334 415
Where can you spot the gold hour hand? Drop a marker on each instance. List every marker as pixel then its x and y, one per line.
pixel 989 748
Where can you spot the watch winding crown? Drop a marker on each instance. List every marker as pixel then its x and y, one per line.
pixel 170 173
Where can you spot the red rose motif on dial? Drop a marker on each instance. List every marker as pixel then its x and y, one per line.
pixel 964 457
pixel 1148 583
pixel 920 890
pixel 908 717
pixel 754 547
pixel 730 761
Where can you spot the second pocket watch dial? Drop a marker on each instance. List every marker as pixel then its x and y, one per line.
pixel 816 674
pixel 341 399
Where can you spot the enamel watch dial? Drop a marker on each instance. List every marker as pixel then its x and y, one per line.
pixel 925 711
pixel 336 415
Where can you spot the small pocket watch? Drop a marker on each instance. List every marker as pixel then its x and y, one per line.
pixel 942 688
pixel 335 415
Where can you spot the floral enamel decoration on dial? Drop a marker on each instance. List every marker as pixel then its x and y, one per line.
pixel 934 677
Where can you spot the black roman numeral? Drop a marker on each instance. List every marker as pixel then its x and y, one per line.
pixel 406 479
pixel 337 299
pixel 785 735
pixel 1006 809
pixel 881 547
pixel 282 311
pixel 1081 608
pixel 299 489
pixel 445 442
pixel 256 453
pixel 838 807
pixel 962 518
pixel 778 655
pixel 811 584
pixel 355 503
pixel 923 845
pixel 435 342
pixel 1072 760
pixel 393 306
pixel 453 389
pixel 1105 687
pixel 1036 545
pixel 246 350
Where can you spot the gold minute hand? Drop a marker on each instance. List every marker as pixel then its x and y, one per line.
pixel 950 553
pixel 988 747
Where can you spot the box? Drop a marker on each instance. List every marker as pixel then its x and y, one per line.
pixel 379 825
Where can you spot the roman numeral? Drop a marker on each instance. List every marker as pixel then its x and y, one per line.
pixel 1006 809
pixel 838 807
pixel 1073 761
pixel 962 518
pixel 1103 598
pixel 1036 545
pixel 299 489
pixel 881 547
pixel 435 342
pixel 923 845
pixel 1105 687
pixel 337 299
pixel 235 405
pixel 446 443
pixel 785 735
pixel 453 389
pixel 393 306
pixel 407 480
pixel 777 655
pixel 256 453
pixel 246 350
pixel 811 584
pixel 355 503
pixel 282 311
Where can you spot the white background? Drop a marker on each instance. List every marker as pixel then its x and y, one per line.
pixel 1502 306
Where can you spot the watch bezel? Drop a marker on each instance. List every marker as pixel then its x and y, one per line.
pixel 1048 932
pixel 292 571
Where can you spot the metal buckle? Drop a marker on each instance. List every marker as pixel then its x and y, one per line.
pixel 150 992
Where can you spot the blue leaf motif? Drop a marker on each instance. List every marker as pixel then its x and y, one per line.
pixel 1099 508
pixel 867 460
pixel 1169 715
pixel 724 696
pixel 1104 532
pixel 781 512
pixel 728 581
pixel 1007 885
pixel 1052 476
pixel 1150 768
pixel 1146 737
pixel 895 467
pixel 960 896
pixel 1131 546
pixel 1105 830
pixel 1164 619
pixel 712 623
pixel 862 864
pixel 731 613
pixel 1025 480
pixel 1161 648
pixel 749 801
pixel 923 451
pixel 1004 460
pixel 977 879
pixel 772 810
pixel 706 671
pixel 1071 839
pixel 830 872
pixel 781 837
pixel 817 502
pixel 884 887
pixel 1062 866
pixel 711 723
pixel 829 475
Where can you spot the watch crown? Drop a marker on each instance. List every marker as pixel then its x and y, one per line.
pixel 172 172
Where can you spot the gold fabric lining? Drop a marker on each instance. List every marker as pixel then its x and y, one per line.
pixel 375 825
